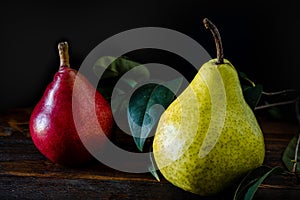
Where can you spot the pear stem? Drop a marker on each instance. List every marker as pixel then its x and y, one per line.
pixel 63 50
pixel 209 25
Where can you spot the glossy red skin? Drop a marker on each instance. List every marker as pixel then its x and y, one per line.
pixel 52 125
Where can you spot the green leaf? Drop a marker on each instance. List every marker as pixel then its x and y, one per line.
pixel 118 104
pixel 250 183
pixel 152 169
pixel 109 70
pixel 111 67
pixel 289 153
pixel 121 95
pixel 146 105
pixel 252 92
pixel 242 75
pixel 274 112
pixel 106 91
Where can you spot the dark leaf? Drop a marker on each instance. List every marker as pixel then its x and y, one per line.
pixel 252 92
pixel 146 106
pixel 118 103
pixel 289 153
pixel 110 67
pixel 110 74
pixel 274 112
pixel 252 180
pixel 106 91
pixel 242 75
pixel 152 169
pixel 121 94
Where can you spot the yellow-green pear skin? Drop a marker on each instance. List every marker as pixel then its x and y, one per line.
pixel 208 137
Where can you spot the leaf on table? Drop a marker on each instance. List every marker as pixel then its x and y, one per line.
pixel 146 105
pixel 290 161
pixel 250 183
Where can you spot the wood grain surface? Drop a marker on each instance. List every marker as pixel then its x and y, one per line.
pixel 26 174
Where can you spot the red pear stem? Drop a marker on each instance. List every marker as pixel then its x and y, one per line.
pixel 63 50
pixel 209 25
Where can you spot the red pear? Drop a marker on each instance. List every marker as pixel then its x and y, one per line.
pixel 52 122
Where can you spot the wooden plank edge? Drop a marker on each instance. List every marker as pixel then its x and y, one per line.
pixel 76 176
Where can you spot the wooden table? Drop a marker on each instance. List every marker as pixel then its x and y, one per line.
pixel 26 174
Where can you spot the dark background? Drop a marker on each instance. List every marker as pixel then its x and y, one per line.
pixel 260 38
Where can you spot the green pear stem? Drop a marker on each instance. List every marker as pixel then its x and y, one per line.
pixel 209 25
pixel 63 50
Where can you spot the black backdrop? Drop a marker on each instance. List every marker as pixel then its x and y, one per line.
pixel 259 38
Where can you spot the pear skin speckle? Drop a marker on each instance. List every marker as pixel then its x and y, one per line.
pixel 208 137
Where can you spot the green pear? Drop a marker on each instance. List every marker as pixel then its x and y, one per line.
pixel 208 137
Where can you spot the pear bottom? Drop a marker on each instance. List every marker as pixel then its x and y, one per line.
pixel 209 184
pixel 227 163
